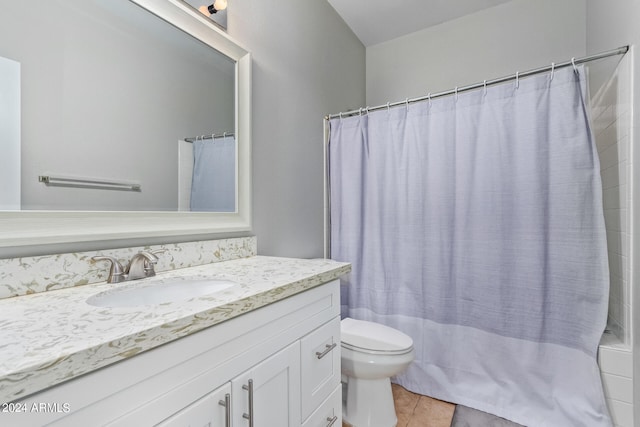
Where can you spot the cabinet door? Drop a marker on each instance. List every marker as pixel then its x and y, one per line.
pixel 320 368
pixel 268 394
pixel 210 411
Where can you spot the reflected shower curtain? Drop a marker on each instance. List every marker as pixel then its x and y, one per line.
pixel 213 187
pixel 474 224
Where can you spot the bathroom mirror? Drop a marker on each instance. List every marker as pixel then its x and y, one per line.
pixel 96 144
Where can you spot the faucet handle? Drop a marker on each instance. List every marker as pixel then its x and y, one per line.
pixel 116 272
pixel 150 261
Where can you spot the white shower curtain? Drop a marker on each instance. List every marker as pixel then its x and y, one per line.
pixel 474 224
pixel 213 187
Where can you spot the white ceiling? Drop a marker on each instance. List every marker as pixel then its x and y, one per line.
pixel 376 21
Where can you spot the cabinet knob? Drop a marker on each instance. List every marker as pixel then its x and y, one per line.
pixel 326 351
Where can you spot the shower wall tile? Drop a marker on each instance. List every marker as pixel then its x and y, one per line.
pixel 611 120
pixel 616 175
pixel 621 413
pixel 616 371
pixel 617 387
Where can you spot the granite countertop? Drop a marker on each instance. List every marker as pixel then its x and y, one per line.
pixel 51 337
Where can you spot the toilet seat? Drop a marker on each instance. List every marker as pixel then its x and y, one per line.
pixel 380 352
pixel 374 338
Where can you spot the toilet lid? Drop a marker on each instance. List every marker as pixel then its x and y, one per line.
pixel 373 336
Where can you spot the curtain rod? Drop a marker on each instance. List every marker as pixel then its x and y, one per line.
pixel 574 61
pixel 212 136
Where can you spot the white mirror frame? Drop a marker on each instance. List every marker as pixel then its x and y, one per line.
pixel 29 228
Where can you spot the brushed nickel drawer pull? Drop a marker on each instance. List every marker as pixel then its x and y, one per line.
pixel 332 421
pixel 249 416
pixel 326 351
pixel 227 409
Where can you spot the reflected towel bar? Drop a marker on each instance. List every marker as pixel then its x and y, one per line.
pixel 96 183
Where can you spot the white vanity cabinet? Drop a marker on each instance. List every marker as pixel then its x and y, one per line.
pixel 266 395
pixel 320 358
pixel 277 366
pixel 329 413
pixel 211 410
pixel 269 393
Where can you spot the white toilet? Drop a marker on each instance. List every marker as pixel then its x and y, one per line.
pixel 371 354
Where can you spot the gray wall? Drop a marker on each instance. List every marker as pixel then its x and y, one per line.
pixel 306 63
pixel 514 36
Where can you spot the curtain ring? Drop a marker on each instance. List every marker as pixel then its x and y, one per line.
pixel 406 101
pixel 340 115
pixel 517 79
pixel 553 68
pixel 224 134
pixel 388 106
pixel 456 93
pixel 484 84
pixel 360 111
pixel 573 62
pixel 213 136
pixel 429 98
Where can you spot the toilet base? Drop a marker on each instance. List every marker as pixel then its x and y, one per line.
pixel 369 403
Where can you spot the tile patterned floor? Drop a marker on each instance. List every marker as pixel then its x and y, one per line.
pixel 415 410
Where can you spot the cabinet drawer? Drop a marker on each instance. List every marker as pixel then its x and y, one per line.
pixel 329 414
pixel 320 365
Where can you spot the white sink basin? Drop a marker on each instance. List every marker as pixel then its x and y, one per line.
pixel 159 292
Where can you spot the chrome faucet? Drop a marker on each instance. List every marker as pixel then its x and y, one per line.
pixel 140 266
pixel 116 272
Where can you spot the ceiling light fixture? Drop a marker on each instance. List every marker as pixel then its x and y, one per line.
pixel 213 8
